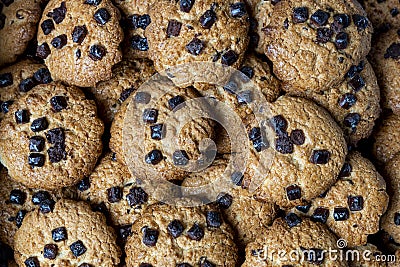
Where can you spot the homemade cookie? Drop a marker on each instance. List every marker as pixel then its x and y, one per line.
pixel 71 235
pixel 385 55
pixel 352 207
pixel 18 79
pixel 262 14
pixel 177 236
pixel 382 13
pixel 292 241
pixel 51 137
pixel 354 104
pixel 127 77
pixel 387 139
pixel 79 40
pixel 197 31
pixel 313 43
pixel 18 24
pixel 368 256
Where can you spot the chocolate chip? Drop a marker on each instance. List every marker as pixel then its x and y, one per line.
pixel 175 228
pixel 56 136
pixel 47 26
pixel 58 103
pixel 244 97
pixel 150 237
pixel 21 116
pixel 59 234
pixel 58 14
pixel 342 40
pixel 195 47
pixel 224 201
pixel 255 133
pixel 77 248
pixel 26 85
pixel 346 170
pixel 356 203
pixel 186 5
pixel 36 144
pixel 102 16
pixel 32 262
pixel 300 15
pixel 357 82
pixel 79 33
pixel 20 217
pixel 208 19
pixel 205 263
pixel 6 105
pixel 139 43
pixel 320 156
pixel 229 58
pixel 39 197
pixel 43 51
pixel 46 206
pixel 56 153
pixel 352 120
pixel 42 76
pixel 125 231
pixel 293 192
pixel 340 214
pixel 2 21
pixel 114 194
pixel 196 232
pixel 150 115
pixel 279 123
pixel 17 197
pixel 303 208
pixel 397 218
pixel 157 131
pixel 83 184
pixel 284 144
pixel 154 157
pixel 320 215
pixel 348 100
pixel 297 137
pixel 324 35
pixel 59 41
pixel 143 21
pixel 142 97
pixel 393 51
pixel 340 22
pixel 174 28
pixel 50 251
pixel 231 87
pixel 97 52
pixel 93 2
pixel 180 158
pixel 36 160
pixel 213 219
pixel 238 10
pixel 260 144
pixel 176 101
pixel 248 71
pixel 78 53
pixel 237 178
pixel 394 12
pixel 360 21
pixel 6 79
pixel 40 124
pixel 320 18
pixel 137 196
pixel 292 220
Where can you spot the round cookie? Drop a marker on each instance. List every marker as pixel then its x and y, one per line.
pixel 71 235
pixel 292 238
pixel 369 256
pixel 247 216
pixel 18 79
pixel 127 77
pixel 79 40
pixel 18 22
pixel 385 55
pixel 313 43
pixel 382 13
pixel 197 31
pixel 178 236
pixel 353 206
pixel 51 137
pixel 16 200
pixel 354 104
pixel 387 139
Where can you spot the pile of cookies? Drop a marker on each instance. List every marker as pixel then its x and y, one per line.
pixel 72 72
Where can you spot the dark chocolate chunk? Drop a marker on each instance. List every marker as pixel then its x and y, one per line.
pixel 43 51
pixel 293 192
pixel 59 41
pixel 32 262
pixel 292 220
pixel 39 125
pixel 360 21
pixel 58 103
pixel 174 28
pixel 229 58
pixel 97 52
pixel 50 251
pixel 21 116
pixel 26 85
pixel 17 197
pixel 214 219
pixel 356 203
pixel 139 43
pixel 180 158
pixel 40 196
pixel 150 237
pixel 142 97
pixel 93 2
pixel 59 234
pixel 346 170
pixel 150 115
pixel 186 5
pixel 36 160
pixel 320 157
pixel 324 35
pixel 6 79
pixel 195 47
pixel 208 19
pixel 224 201
pixel 58 14
pixel 114 194
pixel 157 131
pixel 42 76
pixel 36 144
pixel 102 16
pixel 342 40
pixel 84 184
pixel 79 34
pixel 352 120
pixel 320 18
pixel 284 144
pixel 20 217
pixel 357 82
pixel 297 136
pixel 47 26
pixel 78 248
pixel 175 228
pixel 137 196
pixel 176 101
pixel 238 10
pixel 56 136
pixel 320 215
pixel 46 206
pixel 393 51
pixel 340 214
pixel 300 14
pixel 196 232
pixel 348 100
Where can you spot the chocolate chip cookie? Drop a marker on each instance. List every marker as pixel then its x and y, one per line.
pixel 352 207
pixel 313 43
pixel 387 139
pixel 382 13
pixel 197 31
pixel 51 137
pixel 18 24
pixel 292 241
pixel 19 79
pixel 354 104
pixel 79 40
pixel 71 235
pixel 385 55
pixel 127 77
pixel 178 236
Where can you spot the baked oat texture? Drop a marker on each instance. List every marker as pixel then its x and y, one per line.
pixel 386 139
pixel 382 13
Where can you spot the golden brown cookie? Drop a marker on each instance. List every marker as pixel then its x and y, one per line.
pixel 262 14
pixel 79 40
pixel 51 137
pixel 387 139
pixel 71 235
pixel 313 43
pixel 382 13
pixel 178 236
